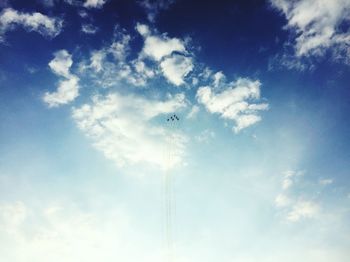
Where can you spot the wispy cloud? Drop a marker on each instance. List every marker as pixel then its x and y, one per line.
pixel 295 205
pixel 47 26
pixel 120 126
pixel 89 29
pixel 111 64
pixel 316 26
pixel 119 123
pixel 205 136
pixel 234 102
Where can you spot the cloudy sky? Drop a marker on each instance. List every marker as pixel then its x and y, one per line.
pixel 260 158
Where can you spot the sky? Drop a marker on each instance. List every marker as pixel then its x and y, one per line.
pixel 259 158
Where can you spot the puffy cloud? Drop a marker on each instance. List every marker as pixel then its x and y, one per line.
pixel 66 92
pixel 94 3
pixel 68 88
pixel 317 25
pixel 157 47
pixel 168 52
pixel 44 25
pixel 89 29
pixel 175 68
pixel 120 127
pixel 143 29
pixel 62 63
pixel 233 103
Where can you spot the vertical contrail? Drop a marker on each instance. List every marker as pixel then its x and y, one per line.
pixel 168 190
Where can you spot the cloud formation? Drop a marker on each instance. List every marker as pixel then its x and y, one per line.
pixel 10 19
pixel 123 125
pixel 120 126
pixel 111 65
pixel 94 3
pixel 170 53
pixel 317 26
pixel 157 47
pixel 294 205
pixel 89 29
pixel 176 68
pixel 61 64
pixel 234 102
pixel 68 88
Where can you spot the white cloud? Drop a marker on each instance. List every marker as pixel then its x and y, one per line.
pixel 66 92
pixel 94 3
pixel 289 177
pixel 218 77
pixel 176 68
pixel 245 121
pixel 120 49
pixel 44 25
pixel 89 29
pixel 296 203
pixel 68 88
pixel 157 47
pixel 234 102
pixel 111 65
pixel 317 25
pixel 120 127
pixel 83 13
pixel 62 63
pixel 97 59
pixel 143 29
pixel 168 52
pixel 303 209
pixel 107 72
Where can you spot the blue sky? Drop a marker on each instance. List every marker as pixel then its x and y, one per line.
pixel 259 159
